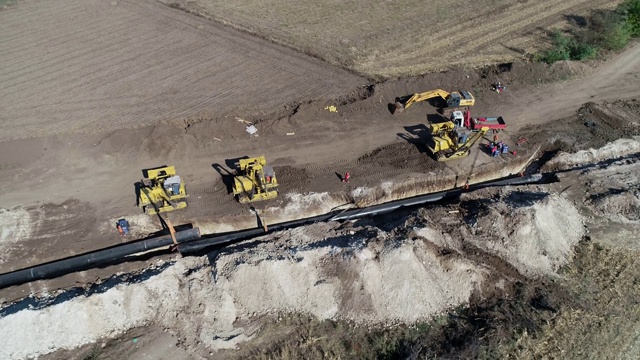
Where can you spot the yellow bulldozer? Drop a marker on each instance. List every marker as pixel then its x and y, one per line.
pixel 256 181
pixel 450 142
pixel 161 190
pixel 453 99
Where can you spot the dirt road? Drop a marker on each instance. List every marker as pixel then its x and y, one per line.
pixel 616 79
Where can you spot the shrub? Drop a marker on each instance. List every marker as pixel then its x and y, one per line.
pixel 582 51
pixel 609 29
pixel 567 48
pixel 630 9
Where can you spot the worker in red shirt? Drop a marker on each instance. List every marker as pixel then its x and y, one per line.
pixel 346 177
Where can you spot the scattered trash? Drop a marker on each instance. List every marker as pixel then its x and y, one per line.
pixel 291 133
pixel 522 141
pixel 453 211
pixel 244 121
pixel 251 129
pixel 215 138
pixel 331 108
pixel 135 340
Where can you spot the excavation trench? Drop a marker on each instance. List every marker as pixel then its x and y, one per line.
pixel 191 242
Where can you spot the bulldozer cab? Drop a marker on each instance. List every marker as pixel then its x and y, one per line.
pixel 162 190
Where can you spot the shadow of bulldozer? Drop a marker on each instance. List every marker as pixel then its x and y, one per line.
pixel 226 174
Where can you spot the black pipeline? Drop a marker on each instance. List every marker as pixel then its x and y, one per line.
pixel 189 243
pixel 92 259
pixel 224 239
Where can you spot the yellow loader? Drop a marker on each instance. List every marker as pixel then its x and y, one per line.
pixel 256 181
pixel 450 142
pixel 162 190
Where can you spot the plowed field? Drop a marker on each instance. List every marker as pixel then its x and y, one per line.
pixel 384 38
pixel 88 66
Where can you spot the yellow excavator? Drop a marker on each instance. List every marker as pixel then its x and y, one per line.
pixel 450 142
pixel 161 190
pixel 256 181
pixel 453 99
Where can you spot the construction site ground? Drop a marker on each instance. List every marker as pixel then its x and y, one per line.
pixel 83 114
pixel 70 172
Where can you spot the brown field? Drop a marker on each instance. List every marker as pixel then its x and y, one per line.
pixel 382 39
pixel 88 66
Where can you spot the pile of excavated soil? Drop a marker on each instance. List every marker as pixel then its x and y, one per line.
pixel 405 270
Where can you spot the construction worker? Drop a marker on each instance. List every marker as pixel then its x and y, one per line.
pixel 495 138
pixel 494 150
pixel 346 177
pixel 123 227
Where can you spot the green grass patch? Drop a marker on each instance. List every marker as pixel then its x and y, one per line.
pixel 608 30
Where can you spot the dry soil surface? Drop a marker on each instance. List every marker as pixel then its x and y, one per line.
pixel 396 268
pixel 401 38
pixel 75 186
pixel 100 66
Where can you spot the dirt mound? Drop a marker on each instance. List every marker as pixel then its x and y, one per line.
pixel 405 270
pixel 533 230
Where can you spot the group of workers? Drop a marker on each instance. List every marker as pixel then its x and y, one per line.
pixel 498 147
pixel 498 87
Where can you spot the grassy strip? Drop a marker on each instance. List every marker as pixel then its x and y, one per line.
pixel 603 30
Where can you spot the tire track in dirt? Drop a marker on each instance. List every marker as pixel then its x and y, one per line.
pixel 457 37
pixel 465 38
pixel 139 63
pixel 491 36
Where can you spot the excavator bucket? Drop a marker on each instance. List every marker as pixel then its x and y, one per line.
pixel 399 108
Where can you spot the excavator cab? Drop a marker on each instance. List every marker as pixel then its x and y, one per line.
pixel 460 99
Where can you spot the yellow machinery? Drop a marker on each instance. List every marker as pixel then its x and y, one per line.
pixel 453 99
pixel 255 181
pixel 162 190
pixel 450 142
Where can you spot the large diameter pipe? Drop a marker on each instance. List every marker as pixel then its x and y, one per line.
pixel 423 199
pixel 218 240
pixel 224 239
pixel 92 259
